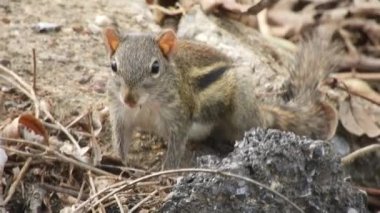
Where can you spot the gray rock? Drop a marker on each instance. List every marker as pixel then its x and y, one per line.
pixel 307 172
pixel 341 145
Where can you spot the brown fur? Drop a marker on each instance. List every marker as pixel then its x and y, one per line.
pixel 308 113
pixel 179 109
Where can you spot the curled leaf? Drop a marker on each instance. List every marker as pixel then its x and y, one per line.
pixel 79 154
pixel 360 113
pixel 27 127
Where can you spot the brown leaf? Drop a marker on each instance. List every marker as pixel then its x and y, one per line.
pixel 79 154
pixel 348 120
pixel 34 125
pixel 246 7
pixel 3 159
pixel 358 113
pixel 11 130
pixel 26 126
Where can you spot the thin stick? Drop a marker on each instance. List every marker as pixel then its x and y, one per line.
pixel 134 208
pixel 78 118
pixel 18 86
pixel 94 144
pixel 124 184
pixel 28 90
pixel 64 190
pixel 34 70
pixel 255 9
pixel 14 185
pixel 170 12
pixel 358 153
pixel 20 83
pixel 61 156
pixel 371 97
pixel 359 75
pixel 27 154
pixel 18 79
pixel 62 128
pixel 4 159
pixel 93 188
pixel 262 19
pixel 119 204
pixel 72 131
pixel 80 192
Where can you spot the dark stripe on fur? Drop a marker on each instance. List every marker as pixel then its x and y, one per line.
pixel 206 80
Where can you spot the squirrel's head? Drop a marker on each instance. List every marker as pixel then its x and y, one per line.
pixel 140 63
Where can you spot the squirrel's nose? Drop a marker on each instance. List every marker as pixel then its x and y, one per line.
pixel 130 98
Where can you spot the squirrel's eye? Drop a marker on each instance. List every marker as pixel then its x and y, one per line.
pixel 113 66
pixel 155 67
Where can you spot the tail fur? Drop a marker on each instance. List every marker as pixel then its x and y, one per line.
pixel 308 113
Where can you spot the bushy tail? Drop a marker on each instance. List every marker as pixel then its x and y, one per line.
pixel 308 113
pixel 316 58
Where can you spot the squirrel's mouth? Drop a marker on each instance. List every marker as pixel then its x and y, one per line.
pixel 135 100
pixel 143 99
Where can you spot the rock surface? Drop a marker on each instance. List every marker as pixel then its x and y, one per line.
pixel 307 172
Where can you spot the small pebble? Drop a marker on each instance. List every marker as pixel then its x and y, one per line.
pixel 103 21
pixel 100 22
pixel 352 210
pixel 45 27
pixel 78 28
pixel 340 145
pixel 99 86
pixel 85 79
pixel 5 62
pixel 5 20
pixel 7 89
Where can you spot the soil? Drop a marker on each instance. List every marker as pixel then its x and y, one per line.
pixel 72 65
pixel 307 172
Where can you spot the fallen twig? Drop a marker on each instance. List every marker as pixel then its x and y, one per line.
pixel 358 153
pixel 20 84
pixel 369 96
pixel 93 188
pixel 60 156
pixel 255 9
pixel 166 11
pixel 13 187
pixel 64 190
pixel 135 207
pixel 365 63
pixel 28 91
pixel 359 75
pixel 62 128
pixel 34 69
pixel 119 204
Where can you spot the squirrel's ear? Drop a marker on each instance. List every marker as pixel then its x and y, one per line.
pixel 111 38
pixel 167 41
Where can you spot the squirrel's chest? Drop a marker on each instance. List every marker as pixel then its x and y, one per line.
pixel 199 131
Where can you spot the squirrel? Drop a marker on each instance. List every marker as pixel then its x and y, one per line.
pixel 185 91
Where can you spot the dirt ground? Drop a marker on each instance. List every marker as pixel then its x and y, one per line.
pixel 72 65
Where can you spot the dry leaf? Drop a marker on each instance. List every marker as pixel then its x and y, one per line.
pixel 231 5
pixel 242 7
pixel 97 123
pixel 3 159
pixel 71 150
pixel 358 114
pixel 67 209
pixel 27 127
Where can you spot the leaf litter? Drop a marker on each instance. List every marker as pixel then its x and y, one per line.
pixel 69 161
